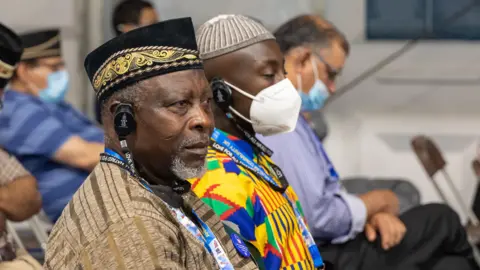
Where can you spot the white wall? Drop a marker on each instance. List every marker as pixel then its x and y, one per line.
pixel 371 125
pixel 379 146
pixel 270 12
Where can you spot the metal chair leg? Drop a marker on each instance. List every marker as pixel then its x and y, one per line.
pixel 11 231
pixel 468 210
pixel 39 232
pixel 476 254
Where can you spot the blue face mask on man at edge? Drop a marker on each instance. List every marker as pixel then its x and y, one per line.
pixel 317 95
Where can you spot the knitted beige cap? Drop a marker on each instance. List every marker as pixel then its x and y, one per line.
pixel 227 33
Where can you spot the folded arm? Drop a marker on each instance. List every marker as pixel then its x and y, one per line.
pixel 41 134
pixel 79 153
pixel 377 201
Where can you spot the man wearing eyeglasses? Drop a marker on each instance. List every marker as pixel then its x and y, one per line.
pixel 353 232
pixel 56 143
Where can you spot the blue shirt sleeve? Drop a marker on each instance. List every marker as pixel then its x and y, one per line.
pixel 29 129
pixel 332 214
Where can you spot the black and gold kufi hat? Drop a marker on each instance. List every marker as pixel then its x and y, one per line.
pixel 10 52
pixel 157 49
pixel 40 44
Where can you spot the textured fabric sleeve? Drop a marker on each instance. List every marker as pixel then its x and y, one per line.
pixel 10 168
pixel 358 212
pixel 33 130
pixel 133 244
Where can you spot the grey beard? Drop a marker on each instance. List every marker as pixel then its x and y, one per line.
pixel 182 171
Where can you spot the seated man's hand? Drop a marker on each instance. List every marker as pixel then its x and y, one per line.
pixel 380 200
pixel 390 228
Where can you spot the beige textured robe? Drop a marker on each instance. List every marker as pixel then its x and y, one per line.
pixel 113 222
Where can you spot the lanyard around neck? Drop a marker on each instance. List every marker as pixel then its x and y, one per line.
pixel 317 142
pixel 251 138
pixel 203 234
pixel 222 143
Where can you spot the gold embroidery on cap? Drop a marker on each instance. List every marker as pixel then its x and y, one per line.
pixel 131 60
pixel 148 69
pixel 6 70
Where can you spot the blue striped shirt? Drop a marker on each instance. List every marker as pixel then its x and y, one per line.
pixel 33 131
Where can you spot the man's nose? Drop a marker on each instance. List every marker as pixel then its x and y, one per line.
pixel 202 119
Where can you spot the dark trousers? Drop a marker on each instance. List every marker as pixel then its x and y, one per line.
pixel 435 240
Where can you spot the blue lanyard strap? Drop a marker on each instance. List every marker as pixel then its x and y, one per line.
pixel 331 169
pixel 112 153
pixel 227 146
pixel 204 235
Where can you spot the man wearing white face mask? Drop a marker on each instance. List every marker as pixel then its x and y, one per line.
pixel 353 232
pixel 53 141
pixel 242 185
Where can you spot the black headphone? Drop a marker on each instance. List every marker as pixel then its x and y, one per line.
pixel 222 94
pixel 124 120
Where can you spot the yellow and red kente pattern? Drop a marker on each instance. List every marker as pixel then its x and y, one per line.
pixel 263 216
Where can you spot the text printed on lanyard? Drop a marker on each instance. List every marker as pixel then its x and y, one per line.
pixel 223 144
pixel 203 234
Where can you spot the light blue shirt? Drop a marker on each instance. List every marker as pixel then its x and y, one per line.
pixel 332 214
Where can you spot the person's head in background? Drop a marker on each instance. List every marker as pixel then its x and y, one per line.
pixel 10 53
pixel 315 53
pixel 244 54
pixel 41 71
pixel 132 14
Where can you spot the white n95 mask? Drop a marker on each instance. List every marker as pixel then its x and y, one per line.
pixel 274 110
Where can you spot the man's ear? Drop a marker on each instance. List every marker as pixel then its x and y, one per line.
pixel 113 106
pixel 301 58
pixel 21 71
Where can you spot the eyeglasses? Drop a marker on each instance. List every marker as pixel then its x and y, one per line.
pixel 52 67
pixel 332 72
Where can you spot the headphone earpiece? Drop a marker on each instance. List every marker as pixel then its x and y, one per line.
pixel 222 94
pixel 124 120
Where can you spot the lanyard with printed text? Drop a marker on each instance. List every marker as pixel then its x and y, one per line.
pixel 222 143
pixel 204 235
pixel 251 138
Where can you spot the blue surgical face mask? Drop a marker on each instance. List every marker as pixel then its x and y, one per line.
pixel 57 87
pixel 317 95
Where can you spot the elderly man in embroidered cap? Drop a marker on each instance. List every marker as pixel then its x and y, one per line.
pixel 136 210
pixel 19 196
pixel 242 185
pixel 54 141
